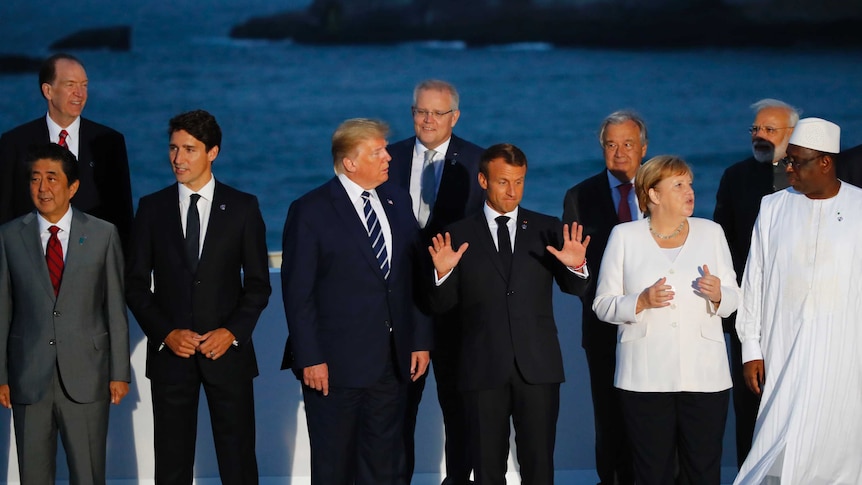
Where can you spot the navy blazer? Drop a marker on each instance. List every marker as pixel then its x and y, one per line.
pixel 339 307
pixel 590 204
pixel 229 289
pixel 105 190
pixel 507 322
pixel 459 194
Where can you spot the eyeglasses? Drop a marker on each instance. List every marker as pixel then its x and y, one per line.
pixel 769 130
pixel 423 113
pixel 790 162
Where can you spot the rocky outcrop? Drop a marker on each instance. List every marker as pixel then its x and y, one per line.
pixel 116 38
pixel 601 23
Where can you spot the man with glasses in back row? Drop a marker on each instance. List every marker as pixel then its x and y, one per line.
pixel 440 170
pixel 737 203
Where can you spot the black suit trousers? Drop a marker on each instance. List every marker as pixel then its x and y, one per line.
pixel 444 359
pixel 533 409
pixel 175 411
pixel 613 452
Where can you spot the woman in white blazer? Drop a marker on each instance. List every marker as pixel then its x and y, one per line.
pixel 667 281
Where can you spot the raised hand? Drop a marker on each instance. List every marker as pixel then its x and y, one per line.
pixel 444 257
pixel 656 296
pixel 709 285
pixel 574 251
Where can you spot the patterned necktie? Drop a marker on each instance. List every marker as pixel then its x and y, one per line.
pixel 504 244
pixel 63 135
pixel 624 211
pixel 54 258
pixel 193 232
pixel 427 188
pixel 375 234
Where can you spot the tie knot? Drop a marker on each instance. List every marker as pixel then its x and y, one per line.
pixel 53 230
pixel 502 220
pixel 429 156
pixel 625 189
pixel 195 198
pixel 63 135
pixel 366 195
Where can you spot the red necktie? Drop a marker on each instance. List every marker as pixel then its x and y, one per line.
pixel 54 258
pixel 624 211
pixel 63 135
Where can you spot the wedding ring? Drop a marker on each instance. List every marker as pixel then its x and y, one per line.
pixel 212 354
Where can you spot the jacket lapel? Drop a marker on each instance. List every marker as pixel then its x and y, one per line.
pixel 219 217
pixel 486 242
pixel 32 241
pixel 350 220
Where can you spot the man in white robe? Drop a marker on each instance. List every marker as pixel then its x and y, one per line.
pixel 800 322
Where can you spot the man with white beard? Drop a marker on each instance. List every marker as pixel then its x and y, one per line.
pixel 799 321
pixel 737 203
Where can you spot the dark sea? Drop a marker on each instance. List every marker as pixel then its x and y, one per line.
pixel 278 102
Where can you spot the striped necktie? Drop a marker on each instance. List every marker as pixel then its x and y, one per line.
pixel 375 234
pixel 54 258
pixel 62 141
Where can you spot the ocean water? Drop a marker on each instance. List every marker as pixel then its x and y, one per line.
pixel 278 103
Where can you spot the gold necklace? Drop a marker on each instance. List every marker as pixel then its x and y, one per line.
pixel 669 236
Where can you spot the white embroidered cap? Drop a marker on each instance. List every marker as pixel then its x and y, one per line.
pixel 817 134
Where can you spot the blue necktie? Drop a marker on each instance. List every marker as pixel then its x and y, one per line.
pixel 375 234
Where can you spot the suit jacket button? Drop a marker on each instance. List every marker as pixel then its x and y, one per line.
pixel 197 282
pixel 51 342
pixel 56 313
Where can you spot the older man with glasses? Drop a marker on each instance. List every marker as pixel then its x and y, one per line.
pixel 440 170
pixel 736 206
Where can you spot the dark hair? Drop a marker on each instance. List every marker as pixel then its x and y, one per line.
pixel 510 154
pixel 53 151
pixel 48 70
pixel 199 124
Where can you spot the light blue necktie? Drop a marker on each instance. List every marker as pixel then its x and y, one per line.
pixel 375 234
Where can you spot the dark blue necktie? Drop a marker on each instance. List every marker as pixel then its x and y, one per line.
pixel 504 244
pixel 375 234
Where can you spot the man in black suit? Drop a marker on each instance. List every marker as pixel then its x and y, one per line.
pixel 599 203
pixel 737 203
pixel 849 165
pixel 357 337
pixel 105 189
pixel 205 245
pixel 440 170
pixel 502 276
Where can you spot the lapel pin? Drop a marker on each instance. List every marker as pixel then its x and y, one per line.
pixel 221 207
pixel 389 201
pixel 82 239
pixel 523 224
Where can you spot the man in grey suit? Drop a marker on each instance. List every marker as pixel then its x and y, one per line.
pixel 64 338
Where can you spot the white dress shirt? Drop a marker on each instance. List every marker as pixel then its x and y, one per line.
pixel 205 204
pixel 354 192
pixel 65 225
pixel 73 131
pixel 416 170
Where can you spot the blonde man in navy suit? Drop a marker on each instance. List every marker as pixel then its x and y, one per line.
pixel 357 337
pixel 64 335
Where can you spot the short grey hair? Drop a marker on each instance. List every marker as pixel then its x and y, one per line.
pixel 437 85
pixel 619 117
pixel 777 103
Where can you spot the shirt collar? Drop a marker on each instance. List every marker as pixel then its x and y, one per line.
pixel 354 191
pixel 206 191
pixel 615 182
pixel 54 129
pixel 491 215
pixel 65 222
pixel 442 150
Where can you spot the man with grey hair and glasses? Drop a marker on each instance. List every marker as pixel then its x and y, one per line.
pixel 440 170
pixel 599 203
pixel 737 203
